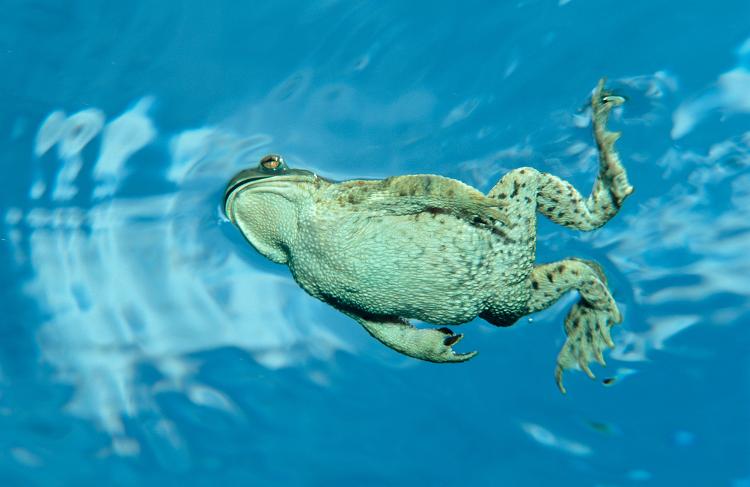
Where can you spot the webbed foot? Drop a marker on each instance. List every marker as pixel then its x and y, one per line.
pixel 588 334
pixel 432 345
pixel 611 168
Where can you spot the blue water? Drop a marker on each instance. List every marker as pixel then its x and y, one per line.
pixel 143 342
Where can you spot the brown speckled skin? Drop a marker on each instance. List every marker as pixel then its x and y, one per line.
pixel 434 249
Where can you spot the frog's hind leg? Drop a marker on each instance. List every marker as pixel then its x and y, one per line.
pixel 432 345
pixel 560 202
pixel 588 323
pixel 557 199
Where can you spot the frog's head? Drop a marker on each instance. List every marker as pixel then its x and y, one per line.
pixel 265 203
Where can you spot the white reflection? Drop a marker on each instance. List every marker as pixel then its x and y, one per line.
pixel 71 135
pixel 654 86
pixel 79 129
pixel 25 457
pixel 730 95
pixel 149 279
pixel 461 112
pixel 545 437
pixel 50 132
pixel 123 136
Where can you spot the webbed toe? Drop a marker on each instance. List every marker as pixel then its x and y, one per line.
pixel 588 336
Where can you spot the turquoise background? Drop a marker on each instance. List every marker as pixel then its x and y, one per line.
pixel 143 342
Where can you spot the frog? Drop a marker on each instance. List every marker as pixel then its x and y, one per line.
pixel 434 250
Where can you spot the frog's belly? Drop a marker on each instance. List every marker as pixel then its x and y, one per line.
pixel 436 269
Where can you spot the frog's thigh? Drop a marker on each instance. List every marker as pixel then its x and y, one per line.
pixel 531 190
pixel 517 191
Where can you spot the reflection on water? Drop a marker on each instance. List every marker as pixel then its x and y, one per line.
pixel 125 280
pixel 545 437
pixel 132 264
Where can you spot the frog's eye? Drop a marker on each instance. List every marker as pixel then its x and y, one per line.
pixel 272 163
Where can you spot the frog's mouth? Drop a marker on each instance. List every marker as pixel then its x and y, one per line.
pixel 236 183
pixel 278 185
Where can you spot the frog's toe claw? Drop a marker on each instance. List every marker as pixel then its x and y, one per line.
pixel 613 100
pixel 583 364
pixel 463 357
pixel 603 98
pixel 599 357
pixel 450 355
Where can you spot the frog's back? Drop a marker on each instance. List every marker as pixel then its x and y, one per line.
pixel 430 265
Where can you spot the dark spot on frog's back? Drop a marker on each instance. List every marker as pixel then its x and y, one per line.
pixel 515 189
pixel 434 210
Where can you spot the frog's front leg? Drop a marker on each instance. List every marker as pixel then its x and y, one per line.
pixel 432 345
pixel 588 322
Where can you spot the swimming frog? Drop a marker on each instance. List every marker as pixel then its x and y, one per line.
pixel 433 249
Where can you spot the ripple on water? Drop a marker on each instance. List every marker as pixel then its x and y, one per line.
pixel 141 279
pixel 147 279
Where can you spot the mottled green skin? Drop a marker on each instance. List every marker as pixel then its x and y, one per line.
pixel 398 247
pixel 434 249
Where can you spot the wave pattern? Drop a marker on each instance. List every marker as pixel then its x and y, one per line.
pixel 100 269
pixel 130 274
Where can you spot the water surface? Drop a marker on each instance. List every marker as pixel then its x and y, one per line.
pixel 144 341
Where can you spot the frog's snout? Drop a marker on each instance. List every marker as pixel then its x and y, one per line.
pixel 237 180
pixel 269 165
